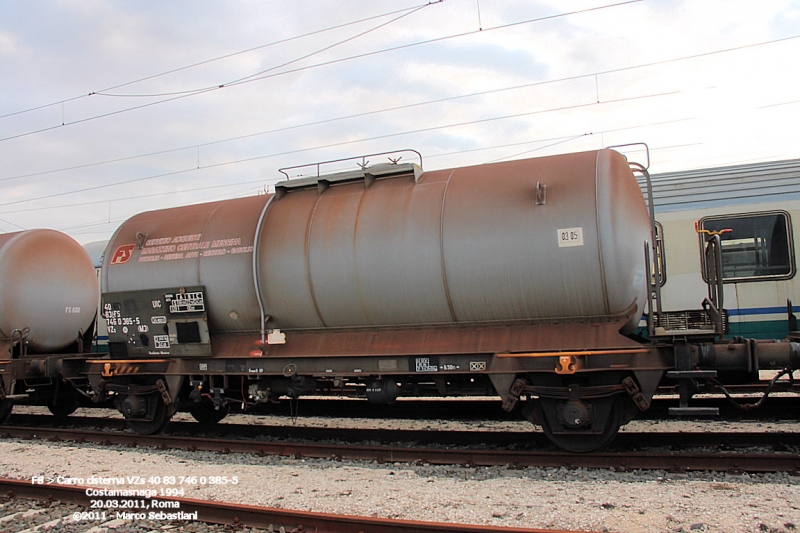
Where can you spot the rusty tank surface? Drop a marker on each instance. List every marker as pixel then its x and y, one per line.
pixel 209 245
pixel 555 237
pixel 396 250
pixel 512 278
pixel 48 290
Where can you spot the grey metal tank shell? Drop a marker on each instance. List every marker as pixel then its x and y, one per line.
pixel 47 284
pixel 206 244
pixel 96 251
pixel 466 245
pixel 460 246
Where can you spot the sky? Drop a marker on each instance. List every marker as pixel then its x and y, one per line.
pixel 111 108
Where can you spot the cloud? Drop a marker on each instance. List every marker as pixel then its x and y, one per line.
pixel 62 51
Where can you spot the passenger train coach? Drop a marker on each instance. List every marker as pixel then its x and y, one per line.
pixel 753 207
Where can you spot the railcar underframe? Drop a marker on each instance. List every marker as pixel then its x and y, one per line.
pixel 580 397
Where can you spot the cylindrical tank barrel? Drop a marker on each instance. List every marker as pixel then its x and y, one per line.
pixel 207 244
pixel 558 237
pixel 47 285
pixel 548 238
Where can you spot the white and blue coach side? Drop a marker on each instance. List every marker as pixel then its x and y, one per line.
pixel 754 206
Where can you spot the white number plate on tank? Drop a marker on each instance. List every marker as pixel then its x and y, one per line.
pixel 570 237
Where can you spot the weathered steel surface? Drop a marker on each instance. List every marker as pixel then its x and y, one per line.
pixel 469 245
pixel 468 252
pixel 502 252
pixel 47 284
pixel 453 339
pixel 208 244
pixel 96 251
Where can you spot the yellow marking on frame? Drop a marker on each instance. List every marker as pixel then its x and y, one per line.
pixel 566 365
pixel 134 361
pixel 622 351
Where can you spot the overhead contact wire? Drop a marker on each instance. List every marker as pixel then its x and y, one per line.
pixel 192 92
pixel 309 67
pixel 412 105
pixel 344 143
pixel 219 58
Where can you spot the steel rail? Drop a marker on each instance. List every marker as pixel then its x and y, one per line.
pixel 778 407
pixel 528 440
pixel 263 517
pixel 622 461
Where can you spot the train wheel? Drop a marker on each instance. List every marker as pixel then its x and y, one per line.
pixel 204 412
pixel 162 414
pixel 6 406
pixel 577 441
pixel 64 407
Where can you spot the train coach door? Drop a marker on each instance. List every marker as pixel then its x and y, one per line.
pixel 758 265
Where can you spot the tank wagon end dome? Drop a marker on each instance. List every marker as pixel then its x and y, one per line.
pixel 209 245
pixel 623 229
pixel 47 284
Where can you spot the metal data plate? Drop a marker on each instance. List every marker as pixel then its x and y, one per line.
pixel 157 322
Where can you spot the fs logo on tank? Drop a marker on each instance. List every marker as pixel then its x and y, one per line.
pixel 122 254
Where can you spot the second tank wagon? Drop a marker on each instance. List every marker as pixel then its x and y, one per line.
pixel 48 291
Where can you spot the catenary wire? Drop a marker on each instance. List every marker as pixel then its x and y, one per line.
pixel 412 105
pixel 137 197
pixel 219 58
pixel 150 104
pixel 11 224
pixel 561 140
pixel 554 140
pixel 309 67
pixel 348 142
pixel 238 81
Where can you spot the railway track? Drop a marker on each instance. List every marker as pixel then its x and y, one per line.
pixel 776 407
pixel 233 516
pixel 520 440
pixel 625 460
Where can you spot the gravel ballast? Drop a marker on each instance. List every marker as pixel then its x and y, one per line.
pixel 598 500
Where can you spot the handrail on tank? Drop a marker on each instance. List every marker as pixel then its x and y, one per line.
pixel 654 289
pixel 256 270
pixel 646 152
pixel 648 267
pixel 18 336
pixel 363 164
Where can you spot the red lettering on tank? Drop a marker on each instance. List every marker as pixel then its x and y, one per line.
pixel 122 254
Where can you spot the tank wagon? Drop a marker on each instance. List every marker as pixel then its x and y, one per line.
pixel 48 302
pixel 524 279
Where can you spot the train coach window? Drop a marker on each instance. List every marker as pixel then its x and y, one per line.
pixel 757 247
